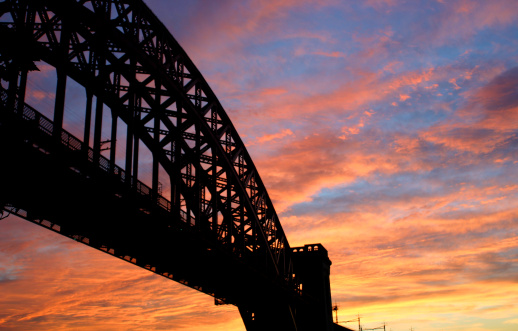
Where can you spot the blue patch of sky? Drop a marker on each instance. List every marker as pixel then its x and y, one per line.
pixel 445 54
pixel 363 192
pixel 508 148
pixel 424 57
pixel 415 50
pixel 279 65
pixel 176 16
pixel 492 43
pixel 411 117
pixel 338 19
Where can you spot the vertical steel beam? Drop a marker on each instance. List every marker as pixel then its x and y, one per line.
pixel 12 76
pixel 129 136
pixel 115 119
pixel 113 141
pixel 59 103
pixel 214 177
pixel 199 189
pixel 61 85
pixel 88 119
pixel 156 124
pixel 176 179
pixel 27 38
pixel 22 89
pixel 13 68
pixel 136 140
pixel 98 129
pixel 130 126
pixel 103 15
pixel 229 218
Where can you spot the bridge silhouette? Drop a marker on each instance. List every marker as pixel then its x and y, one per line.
pixel 213 228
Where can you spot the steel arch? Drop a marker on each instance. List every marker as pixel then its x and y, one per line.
pixel 125 57
pixel 154 71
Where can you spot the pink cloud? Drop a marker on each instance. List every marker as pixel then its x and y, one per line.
pixel 275 136
pixel 39 95
pixel 350 96
pixel 488 119
pixel 273 91
pixel 393 66
pixel 410 254
pixel 453 81
pixel 404 97
pixel 306 165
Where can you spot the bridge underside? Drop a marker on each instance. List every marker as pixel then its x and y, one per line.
pixel 57 187
pixel 66 193
pixel 218 232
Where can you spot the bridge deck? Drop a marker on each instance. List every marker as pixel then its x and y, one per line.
pixel 60 187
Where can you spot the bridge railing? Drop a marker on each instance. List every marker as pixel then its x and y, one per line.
pixel 72 143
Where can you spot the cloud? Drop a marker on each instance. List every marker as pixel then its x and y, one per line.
pixel 500 94
pixel 453 81
pixel 404 97
pixel 458 21
pixel 61 284
pixel 273 91
pixel 280 135
pixel 385 130
pixel 486 122
pixel 8 274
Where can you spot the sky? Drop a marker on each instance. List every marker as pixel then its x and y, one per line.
pixel 387 130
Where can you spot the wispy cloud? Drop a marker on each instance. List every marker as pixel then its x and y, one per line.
pixel 385 129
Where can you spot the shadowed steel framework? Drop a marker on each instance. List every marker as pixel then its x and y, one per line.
pixel 216 230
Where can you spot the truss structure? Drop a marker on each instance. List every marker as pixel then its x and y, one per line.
pixel 127 60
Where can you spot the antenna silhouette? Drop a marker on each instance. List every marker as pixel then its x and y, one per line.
pixel 335 309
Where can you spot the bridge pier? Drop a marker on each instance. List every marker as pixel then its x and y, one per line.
pixel 311 265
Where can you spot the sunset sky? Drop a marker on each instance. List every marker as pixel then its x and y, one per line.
pixel 387 130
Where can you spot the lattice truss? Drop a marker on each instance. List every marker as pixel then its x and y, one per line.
pixel 124 55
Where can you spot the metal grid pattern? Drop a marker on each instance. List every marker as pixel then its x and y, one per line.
pixel 121 53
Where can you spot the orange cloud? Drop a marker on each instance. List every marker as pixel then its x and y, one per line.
pixel 273 91
pixel 275 136
pixel 417 207
pixel 39 95
pixel 404 97
pixel 69 286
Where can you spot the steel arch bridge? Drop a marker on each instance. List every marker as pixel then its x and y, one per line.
pixel 217 230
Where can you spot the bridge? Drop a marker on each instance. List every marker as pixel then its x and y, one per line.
pixel 202 218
